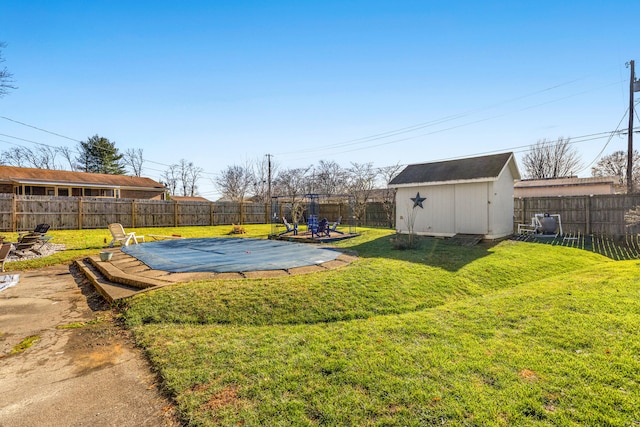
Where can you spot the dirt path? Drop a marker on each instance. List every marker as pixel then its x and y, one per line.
pixel 84 374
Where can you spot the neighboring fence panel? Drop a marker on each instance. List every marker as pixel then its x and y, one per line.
pixel 193 213
pixel 254 213
pixel 155 213
pixel 376 216
pixel 29 211
pixel 6 212
pixel 600 214
pixel 226 213
pixel 98 213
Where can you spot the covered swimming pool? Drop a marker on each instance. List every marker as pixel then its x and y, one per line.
pixel 223 255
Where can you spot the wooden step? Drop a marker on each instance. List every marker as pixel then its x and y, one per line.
pixel 465 239
pixel 111 291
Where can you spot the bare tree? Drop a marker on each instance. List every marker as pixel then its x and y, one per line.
pixel 6 78
pixel 362 181
pixel 170 179
pixel 386 174
pixel 260 170
pixel 548 159
pixel 615 164
pixel 68 155
pixel 44 157
pixel 330 177
pixel 134 160
pixel 293 183
pixel 14 157
pixel 195 173
pixel 235 181
pixel 188 175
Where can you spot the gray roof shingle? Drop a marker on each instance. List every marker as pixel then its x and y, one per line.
pixel 453 170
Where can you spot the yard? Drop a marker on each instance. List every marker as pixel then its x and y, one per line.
pixel 513 333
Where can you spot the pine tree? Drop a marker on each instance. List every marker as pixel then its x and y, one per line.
pixel 99 155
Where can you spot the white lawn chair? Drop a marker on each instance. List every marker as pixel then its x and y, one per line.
pixel 333 227
pixel 5 248
pixel 119 235
pixel 290 227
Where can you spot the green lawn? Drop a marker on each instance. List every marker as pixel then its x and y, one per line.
pixel 507 334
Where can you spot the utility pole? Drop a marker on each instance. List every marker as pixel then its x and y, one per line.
pixel 269 177
pixel 632 80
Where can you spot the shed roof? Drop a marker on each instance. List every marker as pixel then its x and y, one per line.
pixel 468 169
pixel 18 175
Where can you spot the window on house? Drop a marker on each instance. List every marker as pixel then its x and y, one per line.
pixel 98 192
pixel 32 190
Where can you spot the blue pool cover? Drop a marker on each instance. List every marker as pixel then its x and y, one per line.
pixel 223 255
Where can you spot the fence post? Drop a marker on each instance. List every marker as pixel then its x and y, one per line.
pixel 587 216
pixel 211 213
pixel 175 213
pixel 133 213
pixel 80 209
pixel 14 213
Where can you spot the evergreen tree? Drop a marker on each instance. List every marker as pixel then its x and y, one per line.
pixel 99 155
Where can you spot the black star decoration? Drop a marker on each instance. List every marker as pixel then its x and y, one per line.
pixel 417 201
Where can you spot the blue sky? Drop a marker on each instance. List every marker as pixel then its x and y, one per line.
pixel 222 83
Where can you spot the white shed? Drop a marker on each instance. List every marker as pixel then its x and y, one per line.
pixel 466 196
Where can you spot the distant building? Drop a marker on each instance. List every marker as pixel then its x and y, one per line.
pixel 189 199
pixel 570 186
pixel 45 182
pixel 466 196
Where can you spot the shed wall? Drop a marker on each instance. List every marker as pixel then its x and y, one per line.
pixel 472 208
pixel 501 212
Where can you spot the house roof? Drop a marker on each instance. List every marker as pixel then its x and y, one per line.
pixel 568 181
pixel 32 176
pixel 189 199
pixel 469 169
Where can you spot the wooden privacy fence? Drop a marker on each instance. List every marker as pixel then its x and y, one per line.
pixel 18 213
pixel 600 214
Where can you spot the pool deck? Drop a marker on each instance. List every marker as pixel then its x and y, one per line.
pixel 307 237
pixel 125 276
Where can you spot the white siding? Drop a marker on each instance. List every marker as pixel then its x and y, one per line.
pixel 434 218
pixel 442 207
pixel 471 214
pixel 502 205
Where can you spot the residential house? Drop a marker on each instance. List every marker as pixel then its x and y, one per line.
pixel 45 182
pixel 569 186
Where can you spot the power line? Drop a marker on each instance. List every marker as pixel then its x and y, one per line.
pixel 40 129
pixel 379 136
pixel 435 122
pixel 607 143
pixel 73 149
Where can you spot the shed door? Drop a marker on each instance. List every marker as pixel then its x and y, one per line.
pixel 472 208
